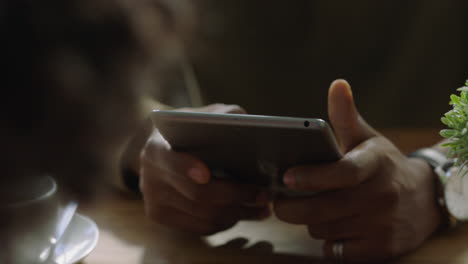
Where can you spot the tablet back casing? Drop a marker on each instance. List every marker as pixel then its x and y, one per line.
pixel 248 148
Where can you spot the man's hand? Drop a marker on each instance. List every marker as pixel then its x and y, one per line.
pixel 375 200
pixel 179 191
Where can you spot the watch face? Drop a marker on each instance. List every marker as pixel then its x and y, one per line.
pixel 456 193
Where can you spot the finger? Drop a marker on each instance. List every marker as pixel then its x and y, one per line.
pixel 361 250
pixel 265 213
pixel 350 127
pixel 164 195
pixel 237 110
pixel 354 168
pixel 261 247
pixel 157 152
pixel 343 229
pixel 235 244
pixel 179 220
pixel 328 207
pixel 216 192
pixel 219 192
pixel 217 108
pixel 230 109
pixel 171 209
pixel 314 211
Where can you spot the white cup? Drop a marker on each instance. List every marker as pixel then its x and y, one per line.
pixel 29 213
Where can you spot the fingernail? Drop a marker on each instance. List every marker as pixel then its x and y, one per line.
pixel 197 175
pixel 289 179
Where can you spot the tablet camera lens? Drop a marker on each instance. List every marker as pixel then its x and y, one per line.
pixel 306 123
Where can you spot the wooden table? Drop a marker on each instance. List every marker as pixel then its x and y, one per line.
pixel 127 237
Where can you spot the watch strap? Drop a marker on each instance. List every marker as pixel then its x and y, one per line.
pixel 439 164
pixel 431 156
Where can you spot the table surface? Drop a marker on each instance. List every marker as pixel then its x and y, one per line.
pixel 126 236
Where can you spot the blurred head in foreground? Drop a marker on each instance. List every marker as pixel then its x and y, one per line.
pixel 73 74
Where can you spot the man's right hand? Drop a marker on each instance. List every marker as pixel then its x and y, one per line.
pixel 179 191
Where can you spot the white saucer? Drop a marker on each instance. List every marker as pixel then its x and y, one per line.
pixel 79 240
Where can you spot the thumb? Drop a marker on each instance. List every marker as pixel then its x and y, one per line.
pixel 350 128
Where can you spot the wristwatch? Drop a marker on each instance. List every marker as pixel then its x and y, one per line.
pixel 452 189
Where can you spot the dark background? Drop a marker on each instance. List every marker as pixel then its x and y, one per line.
pixel 403 58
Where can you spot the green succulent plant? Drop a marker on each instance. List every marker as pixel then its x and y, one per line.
pixel 457 132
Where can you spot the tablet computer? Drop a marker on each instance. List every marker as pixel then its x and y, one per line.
pixel 253 149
